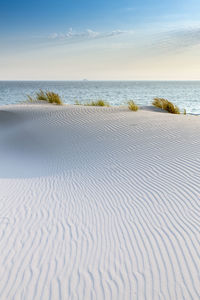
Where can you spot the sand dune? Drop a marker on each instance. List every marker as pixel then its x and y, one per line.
pixel 98 203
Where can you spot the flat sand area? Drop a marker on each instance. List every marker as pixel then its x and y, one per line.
pixel 98 203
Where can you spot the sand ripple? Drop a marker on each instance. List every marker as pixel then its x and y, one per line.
pixel 98 203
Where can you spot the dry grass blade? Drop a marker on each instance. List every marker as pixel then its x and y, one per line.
pixel 30 99
pixel 41 95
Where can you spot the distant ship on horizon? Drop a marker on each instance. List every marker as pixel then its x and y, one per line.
pixel 85 79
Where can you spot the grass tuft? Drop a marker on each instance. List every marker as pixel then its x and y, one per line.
pixel 98 103
pixel 132 106
pixel 53 98
pixel 93 103
pixel 50 97
pixel 77 102
pixel 41 95
pixel 166 105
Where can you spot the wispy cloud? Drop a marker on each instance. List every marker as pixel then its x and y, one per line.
pixel 85 35
pixel 179 39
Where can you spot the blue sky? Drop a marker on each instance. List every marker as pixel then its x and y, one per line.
pixel 131 40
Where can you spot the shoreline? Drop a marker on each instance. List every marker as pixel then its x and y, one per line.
pixel 184 94
pixel 149 107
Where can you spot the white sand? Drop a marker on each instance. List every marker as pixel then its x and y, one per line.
pixel 98 203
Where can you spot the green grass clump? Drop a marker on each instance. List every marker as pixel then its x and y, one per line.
pixel 166 105
pixel 93 103
pixel 98 103
pixel 41 95
pixel 50 97
pixel 53 98
pixel 77 102
pixel 132 106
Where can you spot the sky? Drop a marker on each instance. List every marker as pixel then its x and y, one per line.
pixel 100 40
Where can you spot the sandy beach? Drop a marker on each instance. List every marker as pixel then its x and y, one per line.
pixel 98 203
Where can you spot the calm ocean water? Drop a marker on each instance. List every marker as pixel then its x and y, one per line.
pixel 186 94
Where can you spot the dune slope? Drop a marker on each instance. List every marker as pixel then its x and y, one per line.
pixel 98 203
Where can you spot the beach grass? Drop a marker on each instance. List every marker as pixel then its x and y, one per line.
pixel 132 106
pixel 48 96
pixel 166 105
pixel 98 103
pixel 53 98
pixel 77 102
pixel 30 99
pixel 93 103
pixel 41 95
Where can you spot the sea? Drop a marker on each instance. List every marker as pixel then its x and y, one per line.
pixel 185 94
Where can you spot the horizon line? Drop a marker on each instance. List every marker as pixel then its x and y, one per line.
pixel 95 80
